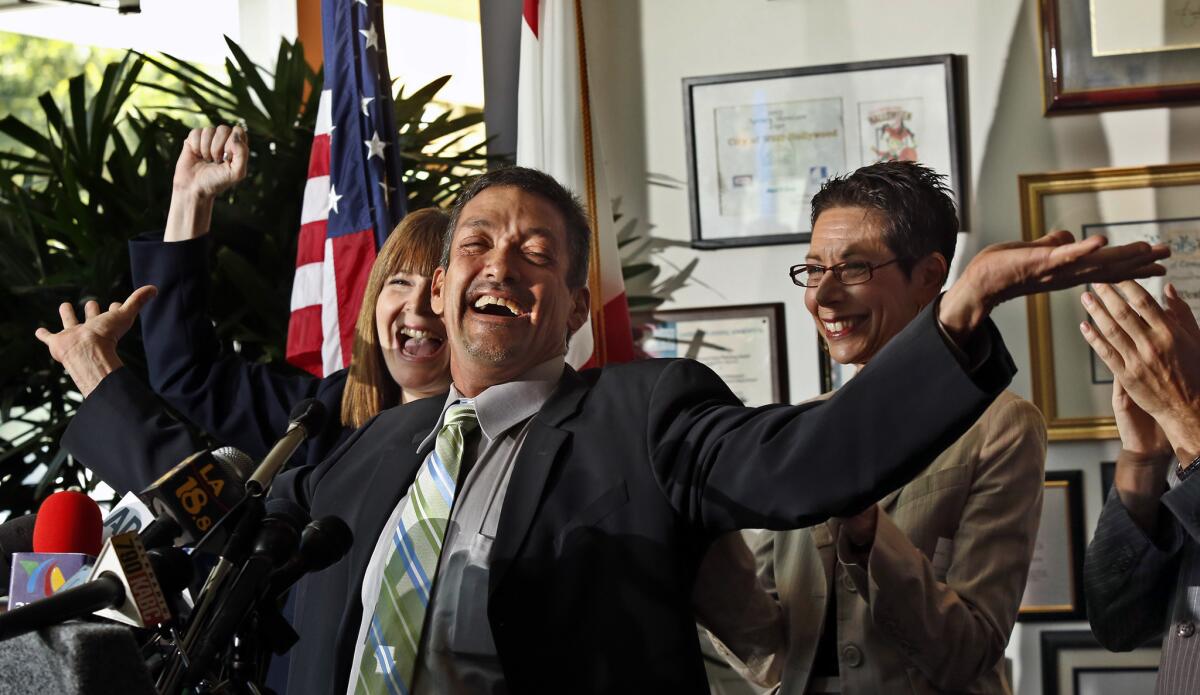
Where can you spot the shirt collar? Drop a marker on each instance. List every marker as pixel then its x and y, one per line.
pixel 502 406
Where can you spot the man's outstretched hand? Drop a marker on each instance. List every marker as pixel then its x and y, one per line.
pixel 1056 261
pixel 88 350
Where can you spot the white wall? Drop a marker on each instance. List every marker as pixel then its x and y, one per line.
pixel 189 29
pixel 641 49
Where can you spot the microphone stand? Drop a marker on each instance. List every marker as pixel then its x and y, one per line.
pixel 236 549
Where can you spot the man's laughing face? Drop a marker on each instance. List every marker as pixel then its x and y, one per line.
pixel 504 295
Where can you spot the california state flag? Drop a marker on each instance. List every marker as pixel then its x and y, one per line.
pixel 555 135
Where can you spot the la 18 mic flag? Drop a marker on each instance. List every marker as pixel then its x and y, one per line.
pixel 354 194
pixel 555 135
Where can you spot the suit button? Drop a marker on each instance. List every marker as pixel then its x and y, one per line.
pixel 852 656
pixel 847 581
pixel 1185 630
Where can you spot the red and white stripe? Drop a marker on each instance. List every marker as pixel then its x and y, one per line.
pixel 553 127
pixel 317 342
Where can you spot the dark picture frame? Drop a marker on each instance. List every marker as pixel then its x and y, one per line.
pixel 744 344
pixel 1108 471
pixel 1075 79
pixel 1070 656
pixel 759 144
pixel 1062 523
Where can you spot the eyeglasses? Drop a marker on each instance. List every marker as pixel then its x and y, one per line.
pixel 848 273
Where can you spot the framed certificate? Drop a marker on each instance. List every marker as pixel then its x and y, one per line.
pixel 1053 590
pixel 744 345
pixel 1104 54
pixel 760 144
pixel 1159 204
pixel 1074 663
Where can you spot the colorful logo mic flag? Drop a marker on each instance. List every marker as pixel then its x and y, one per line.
pixel 555 134
pixel 354 195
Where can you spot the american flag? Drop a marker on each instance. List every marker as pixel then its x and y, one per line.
pixel 354 194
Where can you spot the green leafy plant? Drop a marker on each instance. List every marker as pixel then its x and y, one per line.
pixel 95 172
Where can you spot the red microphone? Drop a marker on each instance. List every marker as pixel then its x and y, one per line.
pixel 66 540
pixel 68 522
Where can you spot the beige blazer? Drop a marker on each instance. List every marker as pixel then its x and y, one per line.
pixel 933 608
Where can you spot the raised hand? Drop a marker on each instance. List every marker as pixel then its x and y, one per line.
pixel 1154 353
pixel 88 350
pixel 211 161
pixel 1141 437
pixel 1056 261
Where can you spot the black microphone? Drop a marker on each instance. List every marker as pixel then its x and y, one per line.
pixel 126 585
pixel 323 542
pixel 305 420
pixel 276 542
pixel 198 492
pixel 16 536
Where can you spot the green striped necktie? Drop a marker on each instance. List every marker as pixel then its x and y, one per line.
pixel 390 650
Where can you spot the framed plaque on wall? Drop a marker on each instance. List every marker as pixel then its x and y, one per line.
pixel 744 345
pixel 760 144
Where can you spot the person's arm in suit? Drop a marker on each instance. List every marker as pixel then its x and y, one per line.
pixel 242 404
pixel 726 467
pixel 955 630
pixel 1129 575
pixel 120 430
pixel 239 403
pixel 839 456
pixel 1131 564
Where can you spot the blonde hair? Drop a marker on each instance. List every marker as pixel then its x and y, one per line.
pixel 414 246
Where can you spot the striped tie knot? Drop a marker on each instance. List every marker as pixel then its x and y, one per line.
pixel 461 415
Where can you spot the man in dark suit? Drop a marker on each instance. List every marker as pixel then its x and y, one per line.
pixel 1141 568
pixel 583 502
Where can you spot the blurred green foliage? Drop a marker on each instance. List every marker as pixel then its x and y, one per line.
pixel 91 169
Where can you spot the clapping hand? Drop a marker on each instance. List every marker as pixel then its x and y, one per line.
pixel 1154 352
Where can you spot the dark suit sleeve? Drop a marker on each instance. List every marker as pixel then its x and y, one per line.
pixel 123 434
pixel 241 404
pixel 726 467
pixel 1128 578
pixel 299 484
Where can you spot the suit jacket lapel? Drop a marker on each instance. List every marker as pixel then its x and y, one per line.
pixel 395 467
pixel 534 463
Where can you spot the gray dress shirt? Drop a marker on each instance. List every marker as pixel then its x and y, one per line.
pixel 457 653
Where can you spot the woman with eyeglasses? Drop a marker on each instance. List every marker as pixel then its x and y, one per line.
pixel 919 592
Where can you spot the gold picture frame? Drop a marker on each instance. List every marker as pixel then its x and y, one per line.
pixel 1125 204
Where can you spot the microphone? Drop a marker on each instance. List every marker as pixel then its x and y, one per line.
pixel 66 539
pixel 68 522
pixel 199 492
pixel 305 420
pixel 16 536
pixel 277 540
pixel 124 586
pixel 323 542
